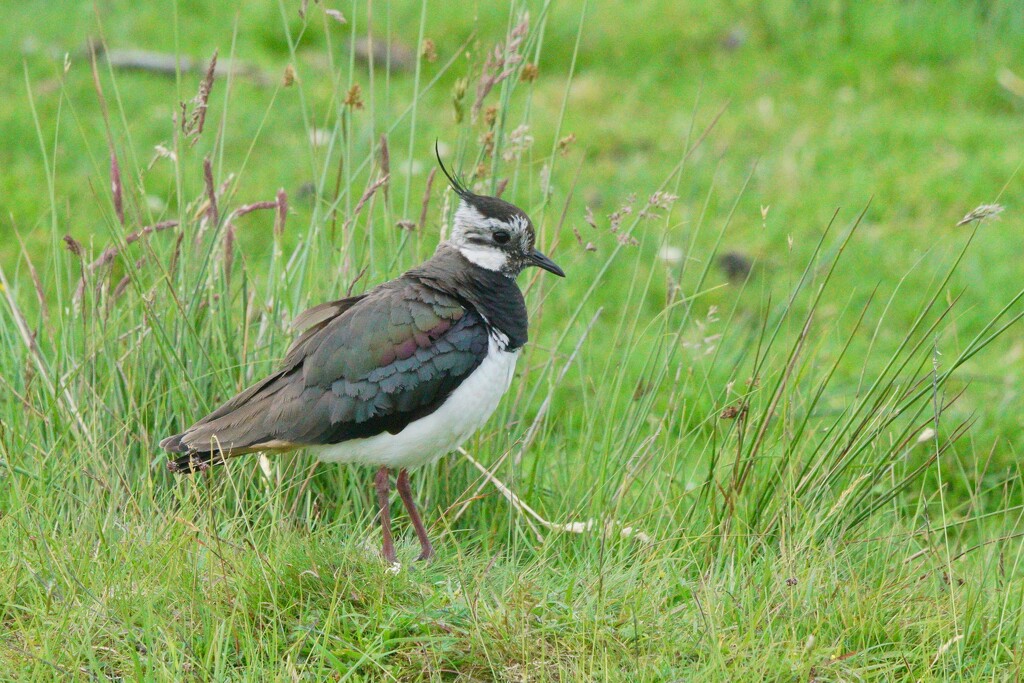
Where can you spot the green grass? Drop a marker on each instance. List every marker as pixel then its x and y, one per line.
pixel 817 467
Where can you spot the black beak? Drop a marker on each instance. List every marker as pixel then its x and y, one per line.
pixel 541 261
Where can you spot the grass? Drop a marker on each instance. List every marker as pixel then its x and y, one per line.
pixel 810 473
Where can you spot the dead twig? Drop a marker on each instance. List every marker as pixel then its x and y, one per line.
pixel 395 56
pixel 610 527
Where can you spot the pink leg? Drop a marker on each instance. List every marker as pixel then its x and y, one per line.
pixel 405 491
pixel 383 483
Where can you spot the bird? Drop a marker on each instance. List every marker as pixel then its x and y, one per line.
pixel 399 376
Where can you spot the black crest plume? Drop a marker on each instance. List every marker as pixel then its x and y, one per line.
pixel 459 188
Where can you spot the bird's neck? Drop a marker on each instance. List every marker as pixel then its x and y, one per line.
pixel 492 294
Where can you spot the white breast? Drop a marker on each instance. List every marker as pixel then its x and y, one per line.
pixel 445 429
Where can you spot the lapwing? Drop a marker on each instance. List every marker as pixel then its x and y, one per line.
pixel 399 376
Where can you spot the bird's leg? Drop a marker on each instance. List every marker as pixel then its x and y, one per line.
pixel 405 491
pixel 383 483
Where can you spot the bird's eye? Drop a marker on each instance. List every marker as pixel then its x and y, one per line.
pixel 502 237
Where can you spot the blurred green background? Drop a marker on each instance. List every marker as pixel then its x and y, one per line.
pixel 917 104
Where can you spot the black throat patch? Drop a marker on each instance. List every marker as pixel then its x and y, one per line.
pixel 494 295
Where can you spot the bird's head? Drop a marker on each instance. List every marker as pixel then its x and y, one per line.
pixel 494 234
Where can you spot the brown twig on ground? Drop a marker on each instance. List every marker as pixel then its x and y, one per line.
pixel 393 55
pixel 167 64
pixel 530 516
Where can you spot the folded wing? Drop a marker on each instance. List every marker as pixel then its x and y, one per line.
pixel 364 366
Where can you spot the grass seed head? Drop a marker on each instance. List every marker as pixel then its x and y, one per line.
pixel 564 143
pixel 74 246
pixel 192 125
pixel 354 97
pixel 428 50
pixel 982 213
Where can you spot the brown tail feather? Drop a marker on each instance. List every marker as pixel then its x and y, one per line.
pixel 173 444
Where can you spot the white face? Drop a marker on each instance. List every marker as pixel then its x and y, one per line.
pixel 492 243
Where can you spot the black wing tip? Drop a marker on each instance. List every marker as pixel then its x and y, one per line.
pixel 459 188
pixel 191 463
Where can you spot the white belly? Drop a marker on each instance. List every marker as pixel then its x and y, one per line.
pixel 427 439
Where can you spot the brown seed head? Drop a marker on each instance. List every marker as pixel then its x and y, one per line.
pixel 354 97
pixel 428 50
